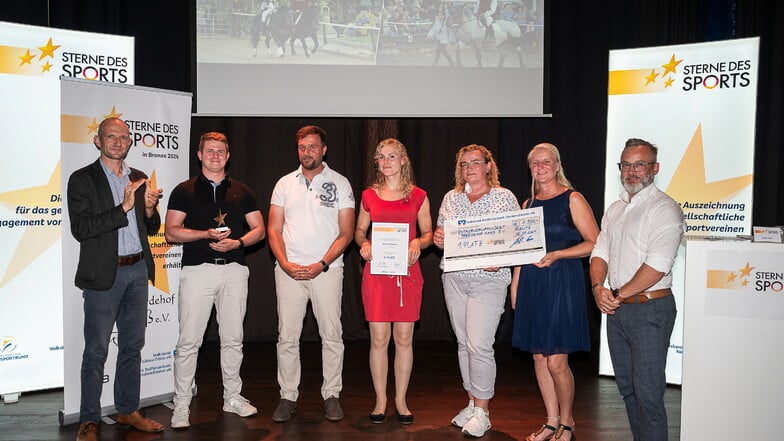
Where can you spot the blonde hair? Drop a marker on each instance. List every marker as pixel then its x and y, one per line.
pixel 560 175
pixel 492 175
pixel 376 178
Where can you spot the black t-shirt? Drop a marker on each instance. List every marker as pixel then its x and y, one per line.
pixel 203 204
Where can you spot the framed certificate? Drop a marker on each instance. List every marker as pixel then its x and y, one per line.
pixel 389 245
pixel 494 240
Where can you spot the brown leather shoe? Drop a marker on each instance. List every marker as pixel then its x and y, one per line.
pixel 138 421
pixel 88 431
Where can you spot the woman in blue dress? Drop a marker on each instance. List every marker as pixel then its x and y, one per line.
pixel 549 296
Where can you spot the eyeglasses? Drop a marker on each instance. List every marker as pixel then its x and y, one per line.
pixel 471 164
pixel 636 166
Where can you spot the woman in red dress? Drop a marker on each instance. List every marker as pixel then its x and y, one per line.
pixel 392 197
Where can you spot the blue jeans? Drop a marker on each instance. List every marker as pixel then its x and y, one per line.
pixel 125 303
pixel 638 336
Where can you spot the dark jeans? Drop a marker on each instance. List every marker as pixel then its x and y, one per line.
pixel 125 303
pixel 638 336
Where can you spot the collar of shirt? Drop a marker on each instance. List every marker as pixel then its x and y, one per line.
pixel 640 195
pixel 326 171
pixel 126 170
pixel 204 179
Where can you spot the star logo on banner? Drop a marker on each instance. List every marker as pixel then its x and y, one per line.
pixel 78 129
pixel 644 79
pixel 723 279
pixel 35 239
pixel 689 182
pixel 113 114
pixel 93 127
pixel 26 58
pixel 671 66
pixel 651 78
pixel 48 50
pixel 31 62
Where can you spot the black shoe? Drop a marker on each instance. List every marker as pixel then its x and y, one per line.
pixel 284 411
pixel 405 419
pixel 377 418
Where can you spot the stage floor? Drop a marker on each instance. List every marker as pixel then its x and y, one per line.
pixel 435 395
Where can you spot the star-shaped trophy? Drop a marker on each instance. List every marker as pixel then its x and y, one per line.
pixel 221 220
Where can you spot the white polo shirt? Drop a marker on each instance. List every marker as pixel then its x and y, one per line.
pixel 310 213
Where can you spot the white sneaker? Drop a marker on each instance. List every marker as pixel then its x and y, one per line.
pixel 464 415
pixel 239 405
pixel 181 417
pixel 478 424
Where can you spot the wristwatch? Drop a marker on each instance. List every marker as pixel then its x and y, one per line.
pixel 615 292
pixel 324 266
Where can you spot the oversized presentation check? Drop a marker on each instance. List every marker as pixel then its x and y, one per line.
pixel 494 240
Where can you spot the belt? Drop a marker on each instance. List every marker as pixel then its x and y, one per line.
pixel 647 295
pixel 129 259
pixel 219 261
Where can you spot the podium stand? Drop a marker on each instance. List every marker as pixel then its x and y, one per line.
pixel 732 340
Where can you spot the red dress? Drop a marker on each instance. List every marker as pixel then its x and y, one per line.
pixel 393 298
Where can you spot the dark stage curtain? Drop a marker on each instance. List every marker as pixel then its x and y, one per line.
pixel 579 36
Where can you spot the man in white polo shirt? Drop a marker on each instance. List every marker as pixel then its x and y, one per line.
pixel 311 221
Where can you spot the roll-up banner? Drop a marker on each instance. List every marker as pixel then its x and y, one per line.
pixel 159 122
pixel 697 104
pixel 32 59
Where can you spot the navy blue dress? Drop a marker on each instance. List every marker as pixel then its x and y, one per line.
pixel 550 313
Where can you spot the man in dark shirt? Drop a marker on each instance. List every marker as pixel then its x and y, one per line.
pixel 214 217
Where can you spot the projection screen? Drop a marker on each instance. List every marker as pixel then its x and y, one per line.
pixel 386 58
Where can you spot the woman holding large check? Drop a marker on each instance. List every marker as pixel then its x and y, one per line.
pixel 475 297
pixel 548 296
pixel 392 280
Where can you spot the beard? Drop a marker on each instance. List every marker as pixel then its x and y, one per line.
pixel 310 163
pixel 642 181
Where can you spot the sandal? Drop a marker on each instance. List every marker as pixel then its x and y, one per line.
pixel 541 430
pixel 563 428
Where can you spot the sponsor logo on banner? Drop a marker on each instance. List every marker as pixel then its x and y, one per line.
pixel 157 139
pixel 7 345
pixel 157 363
pixel 682 74
pixel 8 350
pixel 748 284
pixel 746 278
pixel 51 58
